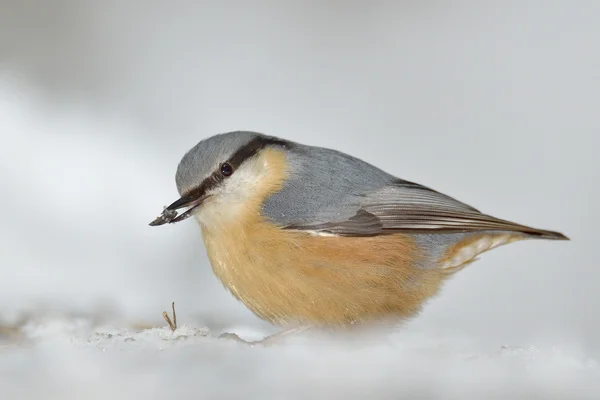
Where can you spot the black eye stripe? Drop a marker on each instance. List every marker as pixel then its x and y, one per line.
pixel 242 154
pixel 253 147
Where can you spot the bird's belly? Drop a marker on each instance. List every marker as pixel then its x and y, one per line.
pixel 289 277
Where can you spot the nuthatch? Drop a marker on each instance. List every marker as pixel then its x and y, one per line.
pixel 313 237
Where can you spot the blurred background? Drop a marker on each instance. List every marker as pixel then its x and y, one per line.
pixel 494 103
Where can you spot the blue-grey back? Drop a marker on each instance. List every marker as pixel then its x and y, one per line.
pixel 323 185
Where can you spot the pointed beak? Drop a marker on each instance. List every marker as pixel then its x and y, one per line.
pixel 171 216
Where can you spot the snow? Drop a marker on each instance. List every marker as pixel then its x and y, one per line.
pixel 70 358
pixel 93 123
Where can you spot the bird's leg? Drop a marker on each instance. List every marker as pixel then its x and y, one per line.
pixel 269 340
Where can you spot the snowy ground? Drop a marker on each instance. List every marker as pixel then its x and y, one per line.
pixel 496 106
pixel 70 358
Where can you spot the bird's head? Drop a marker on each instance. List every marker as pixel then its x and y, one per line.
pixel 224 175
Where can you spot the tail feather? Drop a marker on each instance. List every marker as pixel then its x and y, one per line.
pixel 534 233
pixel 543 234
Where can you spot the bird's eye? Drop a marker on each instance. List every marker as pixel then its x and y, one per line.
pixel 226 169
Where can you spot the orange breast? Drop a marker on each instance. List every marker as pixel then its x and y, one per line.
pixel 294 277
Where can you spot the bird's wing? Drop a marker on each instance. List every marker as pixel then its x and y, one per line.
pixel 412 208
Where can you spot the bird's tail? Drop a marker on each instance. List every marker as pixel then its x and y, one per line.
pixel 544 234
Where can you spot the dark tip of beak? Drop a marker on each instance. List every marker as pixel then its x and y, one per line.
pixel 170 216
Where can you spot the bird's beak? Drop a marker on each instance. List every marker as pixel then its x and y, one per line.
pixel 170 215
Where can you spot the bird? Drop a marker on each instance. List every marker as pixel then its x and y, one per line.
pixel 311 237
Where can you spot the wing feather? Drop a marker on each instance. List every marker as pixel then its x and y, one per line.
pixel 409 207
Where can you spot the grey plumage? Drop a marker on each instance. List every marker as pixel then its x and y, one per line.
pixel 333 192
pixel 202 159
pixel 324 186
pixel 330 191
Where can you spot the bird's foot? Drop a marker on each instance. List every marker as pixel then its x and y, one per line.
pixel 267 341
pixel 235 337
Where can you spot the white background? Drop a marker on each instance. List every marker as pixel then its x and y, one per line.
pixel 494 103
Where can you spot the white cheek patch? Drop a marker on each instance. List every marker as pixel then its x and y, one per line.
pixel 229 200
pixel 242 185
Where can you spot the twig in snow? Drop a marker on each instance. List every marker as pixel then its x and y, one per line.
pixel 172 323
